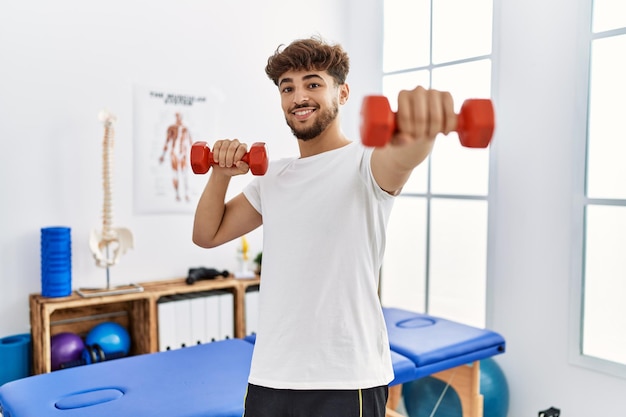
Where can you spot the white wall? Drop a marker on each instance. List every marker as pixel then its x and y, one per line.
pixel 62 62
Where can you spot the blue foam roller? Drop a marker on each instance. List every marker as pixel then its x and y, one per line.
pixel 56 261
pixel 14 357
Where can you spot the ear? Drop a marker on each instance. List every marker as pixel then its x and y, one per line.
pixel 344 93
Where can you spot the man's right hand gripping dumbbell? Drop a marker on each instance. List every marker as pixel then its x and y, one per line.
pixel 202 158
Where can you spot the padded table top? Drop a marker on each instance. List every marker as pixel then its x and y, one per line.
pixel 435 344
pixel 209 379
pixel 403 369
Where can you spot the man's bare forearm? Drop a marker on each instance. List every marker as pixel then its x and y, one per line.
pixel 210 210
pixel 392 165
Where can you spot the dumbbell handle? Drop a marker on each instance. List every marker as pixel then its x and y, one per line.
pixel 83 361
pixel 201 158
pixel 475 122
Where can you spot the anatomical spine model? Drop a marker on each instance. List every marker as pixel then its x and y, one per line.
pixel 110 243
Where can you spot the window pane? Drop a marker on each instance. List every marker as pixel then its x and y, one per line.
pixel 608 14
pixel 461 29
pixel 467 80
pixel 605 284
pixel 403 275
pixel 392 84
pixel 458 260
pixel 406 34
pixel 418 181
pixel 606 177
pixel 454 168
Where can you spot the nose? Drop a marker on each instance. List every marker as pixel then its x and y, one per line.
pixel 300 96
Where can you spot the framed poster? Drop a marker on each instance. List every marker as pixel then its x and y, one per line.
pixel 165 125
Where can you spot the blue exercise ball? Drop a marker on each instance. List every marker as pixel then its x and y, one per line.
pixel 421 396
pixel 112 337
pixel 494 388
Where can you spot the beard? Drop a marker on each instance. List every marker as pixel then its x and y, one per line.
pixel 323 120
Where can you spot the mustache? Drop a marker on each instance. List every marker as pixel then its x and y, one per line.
pixel 303 106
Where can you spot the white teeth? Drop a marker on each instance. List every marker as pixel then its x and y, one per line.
pixel 303 112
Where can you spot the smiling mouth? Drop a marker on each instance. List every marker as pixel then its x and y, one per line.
pixel 302 114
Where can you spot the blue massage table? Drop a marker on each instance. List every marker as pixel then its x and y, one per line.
pixel 434 344
pixel 211 379
pixel 441 348
pixel 203 380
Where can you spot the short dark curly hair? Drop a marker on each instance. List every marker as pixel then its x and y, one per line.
pixel 309 54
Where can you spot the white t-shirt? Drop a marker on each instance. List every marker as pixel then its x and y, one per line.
pixel 320 320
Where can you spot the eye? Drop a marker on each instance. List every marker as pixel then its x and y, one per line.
pixel 313 86
pixel 286 90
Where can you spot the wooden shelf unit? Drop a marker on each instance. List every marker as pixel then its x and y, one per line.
pixel 137 312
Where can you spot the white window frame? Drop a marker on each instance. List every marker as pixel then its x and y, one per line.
pixel 580 201
pixel 429 196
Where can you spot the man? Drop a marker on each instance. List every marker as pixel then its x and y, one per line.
pixel 321 347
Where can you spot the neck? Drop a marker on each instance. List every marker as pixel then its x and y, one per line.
pixel 330 139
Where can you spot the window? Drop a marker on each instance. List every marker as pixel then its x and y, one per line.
pixel 601 339
pixel 436 252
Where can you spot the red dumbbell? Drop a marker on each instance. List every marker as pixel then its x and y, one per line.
pixel 475 122
pixel 202 158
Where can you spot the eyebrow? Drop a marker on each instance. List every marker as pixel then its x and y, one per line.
pixel 306 77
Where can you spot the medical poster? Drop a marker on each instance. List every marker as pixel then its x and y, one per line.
pixel 165 125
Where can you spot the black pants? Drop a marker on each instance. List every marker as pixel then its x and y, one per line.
pixel 270 402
